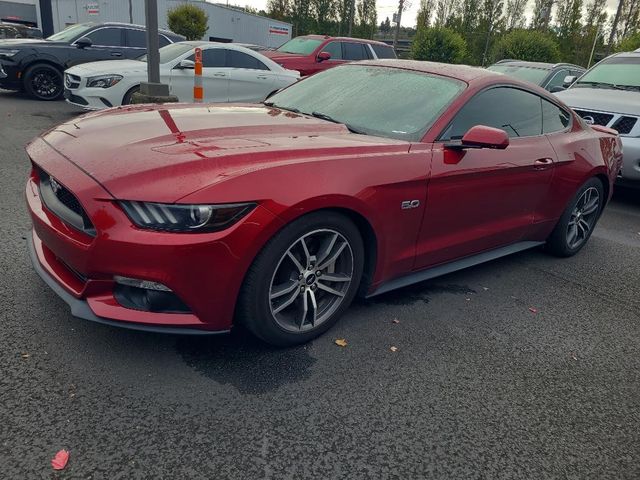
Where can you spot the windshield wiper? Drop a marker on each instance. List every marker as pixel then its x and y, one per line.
pixel 603 85
pixel 288 109
pixel 329 118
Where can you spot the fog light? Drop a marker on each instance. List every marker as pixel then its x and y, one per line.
pixel 145 284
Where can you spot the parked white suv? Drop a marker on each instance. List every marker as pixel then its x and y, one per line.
pixel 609 94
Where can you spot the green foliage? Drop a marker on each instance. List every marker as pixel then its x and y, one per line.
pixel 438 44
pixel 188 20
pixel 528 45
pixel 629 44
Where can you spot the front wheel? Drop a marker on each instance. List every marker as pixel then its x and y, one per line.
pixel 578 220
pixel 43 81
pixel 303 280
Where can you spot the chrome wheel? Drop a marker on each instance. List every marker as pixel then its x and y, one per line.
pixel 583 218
pixel 311 280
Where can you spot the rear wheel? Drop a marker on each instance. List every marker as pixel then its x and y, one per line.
pixel 43 81
pixel 578 220
pixel 303 280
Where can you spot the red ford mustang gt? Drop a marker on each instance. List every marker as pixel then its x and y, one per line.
pixel 360 179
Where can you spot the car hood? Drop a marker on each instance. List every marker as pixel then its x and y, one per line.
pixel 105 67
pixel 160 154
pixel 277 56
pixel 28 42
pixel 602 99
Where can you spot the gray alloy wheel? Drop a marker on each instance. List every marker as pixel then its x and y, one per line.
pixel 583 218
pixel 311 280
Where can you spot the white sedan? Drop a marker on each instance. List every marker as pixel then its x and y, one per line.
pixel 230 73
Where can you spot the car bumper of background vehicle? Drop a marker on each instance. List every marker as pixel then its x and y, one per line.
pixel 631 163
pixel 88 102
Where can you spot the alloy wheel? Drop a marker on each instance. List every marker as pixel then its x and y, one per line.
pixel 583 217
pixel 311 280
pixel 45 83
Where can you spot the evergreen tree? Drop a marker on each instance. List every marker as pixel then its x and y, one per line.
pixel 425 13
pixel 514 16
pixel 569 27
pixel 541 14
pixel 279 9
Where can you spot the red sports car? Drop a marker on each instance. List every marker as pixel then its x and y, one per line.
pixel 357 180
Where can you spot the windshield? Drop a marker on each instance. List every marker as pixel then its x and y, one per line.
pixel 613 72
pixel 171 52
pixel 382 101
pixel 69 34
pixel 530 74
pixel 300 45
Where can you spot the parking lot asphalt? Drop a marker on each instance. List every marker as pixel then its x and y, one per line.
pixel 525 367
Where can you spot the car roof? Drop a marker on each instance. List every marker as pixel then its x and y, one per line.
pixel 134 25
pixel 541 65
pixel 349 39
pixel 465 73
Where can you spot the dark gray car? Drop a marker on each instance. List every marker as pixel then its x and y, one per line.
pixel 549 76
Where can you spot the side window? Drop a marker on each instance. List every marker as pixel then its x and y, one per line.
pixel 557 80
pixel 335 49
pixel 554 118
pixel 138 39
pixel 517 112
pixel 383 51
pixel 214 58
pixel 237 59
pixel 106 37
pixel 354 51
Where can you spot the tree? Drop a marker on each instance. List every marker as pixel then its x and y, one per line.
pixel 629 44
pixel 188 20
pixel 569 27
pixel 278 9
pixel 438 44
pixel 324 12
pixel 367 18
pixel 425 13
pixel 385 25
pixel 528 45
pixel 514 15
pixel 541 14
pixel 445 9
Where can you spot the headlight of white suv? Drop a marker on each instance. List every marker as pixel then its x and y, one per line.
pixel 103 81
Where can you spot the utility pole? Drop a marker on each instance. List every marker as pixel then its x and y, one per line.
pixel 352 4
pixel 152 91
pixel 593 47
pixel 46 18
pixel 614 27
pixel 399 19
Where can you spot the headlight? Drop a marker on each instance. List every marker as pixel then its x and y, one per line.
pixel 185 218
pixel 5 52
pixel 103 81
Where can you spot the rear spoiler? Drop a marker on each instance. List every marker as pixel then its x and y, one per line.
pixel 600 128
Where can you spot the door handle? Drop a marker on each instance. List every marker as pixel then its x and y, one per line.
pixel 542 163
pixel 116 54
pixel 219 74
pixel 262 77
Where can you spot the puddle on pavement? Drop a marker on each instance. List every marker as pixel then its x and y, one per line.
pixel 420 292
pixel 244 362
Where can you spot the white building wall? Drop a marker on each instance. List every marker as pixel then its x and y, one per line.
pixel 224 22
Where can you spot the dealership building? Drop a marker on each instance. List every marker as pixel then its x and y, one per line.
pixel 226 24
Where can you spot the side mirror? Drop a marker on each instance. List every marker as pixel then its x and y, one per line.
pixel 558 88
pixel 322 56
pixel 186 65
pixel 568 81
pixel 83 42
pixel 482 136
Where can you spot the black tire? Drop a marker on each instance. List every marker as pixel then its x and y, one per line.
pixel 126 100
pixel 255 305
pixel 43 82
pixel 559 242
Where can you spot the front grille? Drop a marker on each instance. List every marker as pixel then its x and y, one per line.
pixel 62 203
pixel 624 125
pixel 598 117
pixel 71 81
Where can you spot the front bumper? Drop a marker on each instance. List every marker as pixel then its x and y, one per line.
pixel 9 76
pixel 630 173
pixel 205 271
pixel 95 98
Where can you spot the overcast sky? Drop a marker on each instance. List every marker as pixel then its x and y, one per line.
pixel 387 7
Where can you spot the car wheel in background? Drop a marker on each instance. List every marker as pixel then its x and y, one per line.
pixel 303 280
pixel 578 220
pixel 126 100
pixel 43 81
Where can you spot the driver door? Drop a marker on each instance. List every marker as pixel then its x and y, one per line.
pixel 482 199
pixel 215 78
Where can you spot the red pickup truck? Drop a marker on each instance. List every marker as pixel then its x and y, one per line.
pixel 309 54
